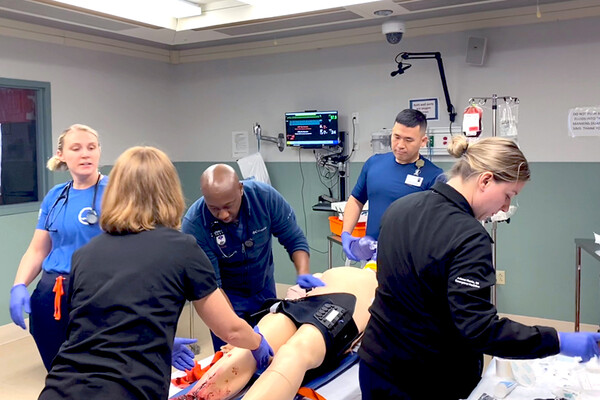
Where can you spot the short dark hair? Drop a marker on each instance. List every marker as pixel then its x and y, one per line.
pixel 411 118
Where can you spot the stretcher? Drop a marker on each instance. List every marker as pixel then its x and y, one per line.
pixel 339 384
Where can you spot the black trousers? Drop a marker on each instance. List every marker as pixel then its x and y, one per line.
pixel 430 385
pixel 48 333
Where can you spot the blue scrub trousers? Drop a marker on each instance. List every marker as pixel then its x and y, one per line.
pixel 48 333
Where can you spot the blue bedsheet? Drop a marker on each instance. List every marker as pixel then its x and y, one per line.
pixel 316 383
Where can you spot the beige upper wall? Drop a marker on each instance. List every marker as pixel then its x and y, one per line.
pixel 550 67
pixel 191 109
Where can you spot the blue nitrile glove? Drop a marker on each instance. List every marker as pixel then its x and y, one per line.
pixel 364 248
pixel 307 281
pixel 19 302
pixel 582 344
pixel 263 354
pixel 347 240
pixel 182 357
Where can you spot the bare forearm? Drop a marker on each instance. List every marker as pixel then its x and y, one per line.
pixel 31 262
pixel 301 261
pixel 29 267
pixel 351 214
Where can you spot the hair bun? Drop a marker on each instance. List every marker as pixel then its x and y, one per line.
pixel 458 146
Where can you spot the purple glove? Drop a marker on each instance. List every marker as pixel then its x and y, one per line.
pixel 19 302
pixel 182 357
pixel 263 354
pixel 307 281
pixel 364 248
pixel 579 344
pixel 347 240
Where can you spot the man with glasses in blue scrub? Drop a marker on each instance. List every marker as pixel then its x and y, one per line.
pixel 233 223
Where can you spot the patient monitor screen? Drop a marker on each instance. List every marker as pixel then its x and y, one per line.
pixel 312 129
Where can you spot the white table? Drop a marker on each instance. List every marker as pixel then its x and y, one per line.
pixel 552 375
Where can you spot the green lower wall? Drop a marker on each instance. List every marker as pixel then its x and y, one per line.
pixel 536 248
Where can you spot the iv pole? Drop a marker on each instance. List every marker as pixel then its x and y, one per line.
pixel 481 101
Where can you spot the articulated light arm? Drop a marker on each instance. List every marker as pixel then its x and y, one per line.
pixel 421 56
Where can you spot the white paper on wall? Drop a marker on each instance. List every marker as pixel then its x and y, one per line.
pixel 584 121
pixel 239 144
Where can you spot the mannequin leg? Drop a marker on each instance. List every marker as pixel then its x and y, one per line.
pixel 231 373
pixel 303 351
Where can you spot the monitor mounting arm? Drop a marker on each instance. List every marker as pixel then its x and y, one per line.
pixel 279 140
pixel 421 56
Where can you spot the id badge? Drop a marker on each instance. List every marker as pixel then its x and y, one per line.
pixel 414 180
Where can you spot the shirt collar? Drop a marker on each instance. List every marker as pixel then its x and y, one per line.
pixel 453 196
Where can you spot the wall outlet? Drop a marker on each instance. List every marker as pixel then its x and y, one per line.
pixel 355 117
pixel 500 277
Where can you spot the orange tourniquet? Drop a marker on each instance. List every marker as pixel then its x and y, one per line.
pixel 195 373
pixel 59 291
pixel 310 394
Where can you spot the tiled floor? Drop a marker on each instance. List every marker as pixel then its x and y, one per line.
pixel 22 373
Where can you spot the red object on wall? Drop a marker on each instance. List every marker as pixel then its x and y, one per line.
pixel 17 105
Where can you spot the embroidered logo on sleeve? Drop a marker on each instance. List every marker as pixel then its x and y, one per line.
pixel 467 282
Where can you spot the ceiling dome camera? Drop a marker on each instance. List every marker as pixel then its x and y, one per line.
pixel 393 29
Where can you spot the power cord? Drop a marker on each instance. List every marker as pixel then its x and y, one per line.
pixel 353 139
pixel 303 202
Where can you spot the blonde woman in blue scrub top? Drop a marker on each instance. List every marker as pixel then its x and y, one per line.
pixel 68 219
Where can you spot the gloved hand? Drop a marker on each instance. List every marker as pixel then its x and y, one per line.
pixel 182 357
pixel 19 302
pixel 582 344
pixel 263 354
pixel 307 281
pixel 364 248
pixel 347 240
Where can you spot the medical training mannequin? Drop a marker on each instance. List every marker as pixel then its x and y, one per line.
pixel 432 319
pixel 296 349
pixel 129 285
pixel 67 220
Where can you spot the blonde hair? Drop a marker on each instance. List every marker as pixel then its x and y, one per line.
pixel 54 163
pixel 143 191
pixel 500 156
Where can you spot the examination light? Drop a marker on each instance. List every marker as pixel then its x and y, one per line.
pixel 403 66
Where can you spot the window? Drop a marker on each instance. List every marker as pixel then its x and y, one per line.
pixel 25 144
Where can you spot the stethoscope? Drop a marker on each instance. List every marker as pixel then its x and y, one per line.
pixel 217 232
pixel 90 217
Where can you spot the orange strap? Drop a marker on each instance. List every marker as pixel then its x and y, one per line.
pixel 195 373
pixel 310 394
pixel 58 292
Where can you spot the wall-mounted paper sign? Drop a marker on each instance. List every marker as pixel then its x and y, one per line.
pixel 239 145
pixel 584 121
pixel 429 107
